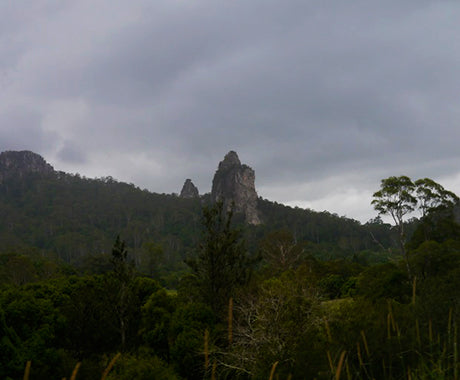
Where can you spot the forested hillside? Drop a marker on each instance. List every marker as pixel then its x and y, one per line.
pixel 170 288
pixel 73 218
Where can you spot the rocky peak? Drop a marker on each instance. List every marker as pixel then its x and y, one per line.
pixel 189 190
pixel 230 160
pixel 234 182
pixel 18 164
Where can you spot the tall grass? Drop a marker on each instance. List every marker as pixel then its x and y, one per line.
pixel 340 365
pixel 75 370
pixel 410 352
pixel 109 367
pixel 27 370
pixel 230 320
pixel 206 349
pixel 272 372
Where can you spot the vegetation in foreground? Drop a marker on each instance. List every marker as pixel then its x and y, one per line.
pixel 277 311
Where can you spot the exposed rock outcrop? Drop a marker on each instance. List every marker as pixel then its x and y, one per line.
pixel 19 164
pixel 189 190
pixel 234 182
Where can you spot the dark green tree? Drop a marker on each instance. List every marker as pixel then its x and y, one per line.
pixel 222 263
pixel 155 325
pixel 123 276
pixel 396 198
pixel 29 324
pixel 437 222
pixel 399 196
pixel 92 327
pixel 433 197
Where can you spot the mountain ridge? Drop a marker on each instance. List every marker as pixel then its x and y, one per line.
pixel 21 163
pixel 72 217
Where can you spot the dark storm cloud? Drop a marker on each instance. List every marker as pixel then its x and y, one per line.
pixel 322 98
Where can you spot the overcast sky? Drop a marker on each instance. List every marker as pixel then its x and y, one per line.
pixel 321 98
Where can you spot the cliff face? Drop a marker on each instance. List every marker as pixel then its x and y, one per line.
pixel 189 190
pixel 234 182
pixel 14 164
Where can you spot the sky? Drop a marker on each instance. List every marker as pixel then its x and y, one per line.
pixel 321 98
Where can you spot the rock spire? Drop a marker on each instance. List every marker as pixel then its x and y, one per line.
pixel 189 190
pixel 234 182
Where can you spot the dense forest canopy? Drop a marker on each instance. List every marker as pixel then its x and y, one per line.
pixel 74 219
pixel 185 289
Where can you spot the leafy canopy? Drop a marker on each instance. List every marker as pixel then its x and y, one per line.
pixel 395 198
pixel 222 263
pixel 433 197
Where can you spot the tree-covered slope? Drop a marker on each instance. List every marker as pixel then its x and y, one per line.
pixel 72 218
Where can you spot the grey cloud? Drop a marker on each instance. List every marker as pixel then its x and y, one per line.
pixel 70 153
pixel 304 91
pixel 20 129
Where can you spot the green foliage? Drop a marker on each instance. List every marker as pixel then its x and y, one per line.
pixel 156 318
pixel 30 322
pixel 74 219
pixel 19 269
pixel 122 279
pixel 432 197
pixel 188 325
pixel 271 324
pixel 151 259
pixel 384 281
pixel 329 292
pixel 222 263
pixel 142 366
pixel 395 198
pixel 399 196
pixel 91 322
pixel 439 225
pixel 331 285
pixel 332 235
pixel 437 267
pixel 71 217
pixel 10 353
pixel 61 321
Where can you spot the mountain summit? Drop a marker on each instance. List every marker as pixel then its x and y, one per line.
pixel 19 164
pixel 234 182
pixel 189 190
pixel 230 160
